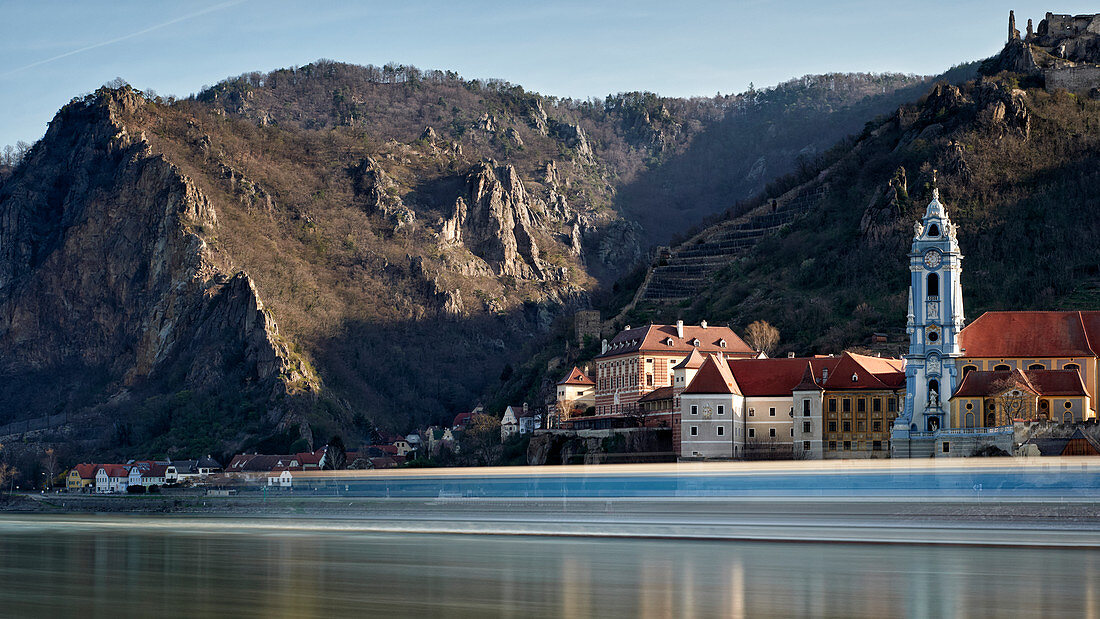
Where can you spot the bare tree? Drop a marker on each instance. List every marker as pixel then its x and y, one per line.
pixel 1011 401
pixel 7 473
pixel 762 336
pixel 49 462
pixel 481 441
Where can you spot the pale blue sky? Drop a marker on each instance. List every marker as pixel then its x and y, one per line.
pixel 52 51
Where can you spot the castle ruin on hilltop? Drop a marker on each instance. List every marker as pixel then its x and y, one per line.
pixel 1064 50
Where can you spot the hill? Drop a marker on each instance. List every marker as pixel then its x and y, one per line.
pixel 336 249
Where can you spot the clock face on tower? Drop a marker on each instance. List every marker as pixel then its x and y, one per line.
pixel 932 258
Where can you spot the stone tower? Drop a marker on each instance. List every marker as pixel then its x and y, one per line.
pixel 934 321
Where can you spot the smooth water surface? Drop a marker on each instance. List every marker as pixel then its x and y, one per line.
pixel 117 566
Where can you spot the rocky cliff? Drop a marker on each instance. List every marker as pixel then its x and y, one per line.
pixel 108 287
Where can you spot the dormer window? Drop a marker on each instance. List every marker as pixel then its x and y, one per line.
pixel 695 342
pixel 721 343
pixel 668 341
pixel 824 373
pixel 855 378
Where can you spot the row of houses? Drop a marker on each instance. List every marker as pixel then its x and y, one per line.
pixel 115 478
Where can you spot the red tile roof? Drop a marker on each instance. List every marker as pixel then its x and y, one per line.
pixel 778 377
pixel 808 382
pixel 86 471
pixel 660 393
pixel 866 373
pixel 980 384
pixel 115 470
pixel 714 377
pixel 654 338
pixel 693 361
pixel 577 377
pixel 461 420
pixel 1032 334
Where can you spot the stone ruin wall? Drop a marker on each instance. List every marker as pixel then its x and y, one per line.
pixel 1073 79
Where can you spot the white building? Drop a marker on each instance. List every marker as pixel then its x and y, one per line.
pixel 712 413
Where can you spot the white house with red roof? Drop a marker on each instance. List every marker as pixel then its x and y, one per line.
pixel 712 413
pixel 111 478
pixel 575 393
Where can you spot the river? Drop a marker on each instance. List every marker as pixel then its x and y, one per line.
pixel 116 566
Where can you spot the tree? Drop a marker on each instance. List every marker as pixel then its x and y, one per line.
pixel 1011 401
pixel 481 441
pixel 336 456
pixel 762 336
pixel 7 473
pixel 49 462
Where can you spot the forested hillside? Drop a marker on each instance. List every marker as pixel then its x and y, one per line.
pixel 335 249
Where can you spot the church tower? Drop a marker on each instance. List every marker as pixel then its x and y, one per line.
pixel 934 322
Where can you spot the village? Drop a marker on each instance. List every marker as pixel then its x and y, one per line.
pixel 1008 383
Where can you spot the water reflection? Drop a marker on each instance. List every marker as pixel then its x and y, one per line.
pixel 169 568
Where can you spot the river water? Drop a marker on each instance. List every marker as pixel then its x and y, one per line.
pixel 117 566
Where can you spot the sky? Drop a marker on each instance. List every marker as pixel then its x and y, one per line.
pixel 52 51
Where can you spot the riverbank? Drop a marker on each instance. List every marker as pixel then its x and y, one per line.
pixel 1064 523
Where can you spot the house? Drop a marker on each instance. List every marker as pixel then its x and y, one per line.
pixel 280 479
pixel 111 478
pixel 147 473
pixel 712 413
pixel 575 393
pixel 509 424
pixel 639 360
pixel 519 420
pixel 1076 444
pixel 414 441
pixel 183 470
pixel 81 478
pixel 462 420
pixel 402 447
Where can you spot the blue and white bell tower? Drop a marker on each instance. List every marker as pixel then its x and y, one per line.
pixel 934 322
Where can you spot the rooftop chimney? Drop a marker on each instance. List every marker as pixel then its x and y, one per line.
pixel 603 346
pixel 703 324
pixel 680 329
pixel 790 355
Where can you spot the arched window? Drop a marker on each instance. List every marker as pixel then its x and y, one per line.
pixel 1036 366
pixel 990 420
pixel 1000 367
pixel 933 285
pixel 1068 417
pixel 933 230
pixel 968 369
pixel 970 420
pixel 1071 366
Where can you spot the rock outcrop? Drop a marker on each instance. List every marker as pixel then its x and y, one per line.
pixel 105 272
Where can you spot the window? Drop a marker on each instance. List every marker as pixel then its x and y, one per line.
pixel 876 426
pixel 771 412
pixel 861 425
pixel 847 445
pixel 832 405
pixel 847 426
pixel 695 430
pixel 1001 367
pixel 847 407
pixel 1067 404
pixel 721 431
pixel 792 432
pixel 892 404
pixel 1036 366
pixel 752 432
pixel 806 426
pixel 805 445
pixel 805 408
pixel 933 230
pixel 832 426
pixel 721 409
pixel 649 380
pixel 876 445
pixel 861 405
pixel 946 447
pixel 968 369
pixel 771 432
pixel 970 420
pixel 832 445
pixel 752 412
pixel 933 285
pixel 694 409
pixel 1071 366
pixel 1068 417
pixel 876 405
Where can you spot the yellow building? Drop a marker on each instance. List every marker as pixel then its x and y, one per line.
pixel 81 478
pixel 1033 342
pixel 1000 398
